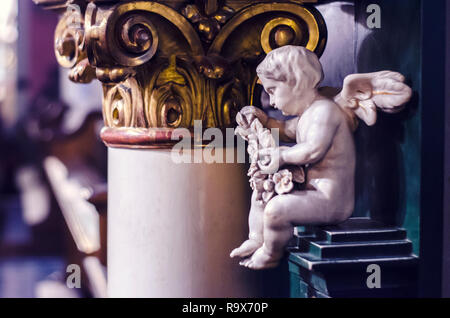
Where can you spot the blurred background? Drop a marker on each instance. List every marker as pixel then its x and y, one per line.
pixel 52 165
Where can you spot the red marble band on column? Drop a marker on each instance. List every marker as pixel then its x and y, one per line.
pixel 144 138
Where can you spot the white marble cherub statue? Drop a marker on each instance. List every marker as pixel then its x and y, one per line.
pixel 323 132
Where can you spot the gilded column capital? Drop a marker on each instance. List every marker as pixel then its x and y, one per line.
pixel 164 64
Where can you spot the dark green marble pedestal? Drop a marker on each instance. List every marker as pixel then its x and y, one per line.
pixel 333 261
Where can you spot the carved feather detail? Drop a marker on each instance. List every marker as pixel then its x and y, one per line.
pixel 362 94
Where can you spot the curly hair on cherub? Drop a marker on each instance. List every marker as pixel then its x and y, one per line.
pixel 296 65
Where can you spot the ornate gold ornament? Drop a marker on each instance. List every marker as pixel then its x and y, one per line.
pixel 165 64
pixel 210 20
pixel 69 39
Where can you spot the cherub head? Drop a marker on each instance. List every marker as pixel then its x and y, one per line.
pixel 290 75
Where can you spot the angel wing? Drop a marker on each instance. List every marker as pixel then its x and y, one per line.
pixel 362 94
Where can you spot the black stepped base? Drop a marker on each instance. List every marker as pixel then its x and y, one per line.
pixel 359 229
pixel 332 261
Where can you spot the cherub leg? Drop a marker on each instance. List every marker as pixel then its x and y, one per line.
pixel 280 216
pixel 255 238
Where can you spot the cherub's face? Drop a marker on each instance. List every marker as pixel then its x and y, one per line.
pixel 282 96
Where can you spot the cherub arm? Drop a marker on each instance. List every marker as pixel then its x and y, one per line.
pixel 318 139
pixel 287 129
pixel 320 131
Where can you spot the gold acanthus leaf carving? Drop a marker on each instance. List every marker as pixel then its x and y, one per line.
pixel 174 95
pixel 115 74
pixel 82 72
pixel 152 63
pixel 170 74
pixel 123 105
pixel 208 24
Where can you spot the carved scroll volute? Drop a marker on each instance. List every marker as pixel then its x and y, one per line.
pixel 69 38
pixel 124 45
pixel 116 36
pixel 124 36
pixel 150 57
pixel 262 27
pixel 115 44
pixel 253 32
pixel 70 45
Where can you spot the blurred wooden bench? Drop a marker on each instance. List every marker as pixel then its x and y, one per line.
pixel 81 194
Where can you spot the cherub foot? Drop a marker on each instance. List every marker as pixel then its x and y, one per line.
pixel 247 248
pixel 260 260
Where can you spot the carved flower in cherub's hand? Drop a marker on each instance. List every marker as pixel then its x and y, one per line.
pixel 248 114
pixel 252 170
pixel 242 121
pixel 252 148
pixel 250 126
pixel 270 160
pixel 269 190
pixel 256 126
pixel 257 181
pixel 283 181
pixel 266 139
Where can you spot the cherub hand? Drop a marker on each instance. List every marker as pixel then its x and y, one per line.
pixel 270 160
pixel 248 114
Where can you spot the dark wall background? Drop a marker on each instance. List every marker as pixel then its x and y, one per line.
pixel 446 227
pixel 433 148
pixel 389 153
pixel 402 171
